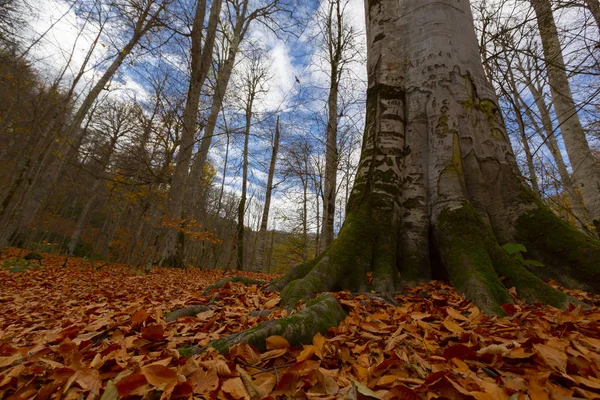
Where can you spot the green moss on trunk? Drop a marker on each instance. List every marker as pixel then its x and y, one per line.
pixel 461 236
pixel 365 244
pixel 570 257
pixel 233 279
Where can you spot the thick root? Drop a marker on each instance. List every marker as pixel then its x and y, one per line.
pixel 475 261
pixel 461 236
pixel 570 257
pixel 529 287
pixel 188 311
pixel 363 246
pixel 319 315
pixel 233 279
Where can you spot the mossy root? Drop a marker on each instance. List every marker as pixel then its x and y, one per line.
pixel 233 279
pixel 461 235
pixel 188 311
pixel 570 257
pixel 318 316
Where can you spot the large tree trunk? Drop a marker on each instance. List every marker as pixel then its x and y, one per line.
pixel 586 172
pixel 262 233
pixel 200 66
pixel 438 188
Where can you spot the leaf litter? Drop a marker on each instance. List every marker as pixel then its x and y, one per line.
pixel 75 333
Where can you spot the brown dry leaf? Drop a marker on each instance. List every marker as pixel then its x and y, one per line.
pixel 252 390
pixel 246 353
pixel 552 357
pixel 307 353
pixel 153 332
pixel 456 315
pixel 204 382
pixel 277 342
pixel 160 376
pixel 235 388
pixel 271 303
pixel 452 326
pixel 220 366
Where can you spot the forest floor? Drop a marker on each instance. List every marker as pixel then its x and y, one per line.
pixel 75 333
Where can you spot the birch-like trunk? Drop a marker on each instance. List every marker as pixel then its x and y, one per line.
pixel 546 133
pixel 223 78
pixel 586 172
pixel 262 233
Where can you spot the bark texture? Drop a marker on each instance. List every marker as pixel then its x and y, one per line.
pixel 437 189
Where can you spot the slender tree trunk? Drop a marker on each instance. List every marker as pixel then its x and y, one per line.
pixel 331 163
pixel 515 97
pixel 305 217
pixel 586 172
pixel 242 206
pixel 262 233
pixel 546 132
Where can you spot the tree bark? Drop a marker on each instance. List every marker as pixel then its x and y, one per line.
pixel 586 172
pixel 223 78
pixel 546 132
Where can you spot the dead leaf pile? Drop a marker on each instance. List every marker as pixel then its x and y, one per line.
pixel 74 333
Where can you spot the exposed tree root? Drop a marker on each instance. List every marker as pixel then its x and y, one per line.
pixel 188 311
pixel 469 252
pixel 319 315
pixel 570 257
pixel 233 279
pixel 475 262
pixel 366 245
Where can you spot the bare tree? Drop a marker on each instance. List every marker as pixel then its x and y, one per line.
pixel 254 78
pixel 262 233
pixel 339 42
